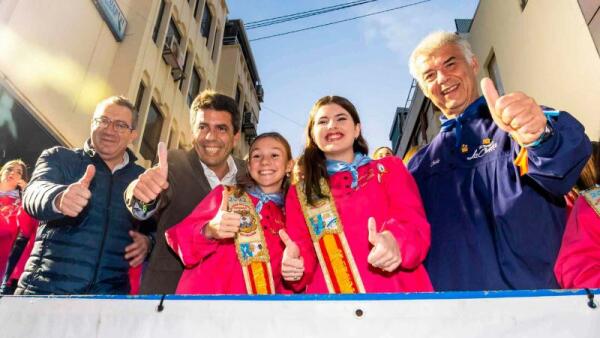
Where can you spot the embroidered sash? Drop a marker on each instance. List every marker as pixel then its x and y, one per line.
pixel 327 234
pixel 250 245
pixel 592 196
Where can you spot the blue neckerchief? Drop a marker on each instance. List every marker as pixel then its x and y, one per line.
pixel 334 166
pixel 12 193
pixel 276 197
pixel 457 122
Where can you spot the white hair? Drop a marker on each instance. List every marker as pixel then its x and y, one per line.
pixel 434 41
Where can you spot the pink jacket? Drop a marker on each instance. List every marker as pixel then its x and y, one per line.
pixel 212 266
pixel 578 263
pixel 14 219
pixel 387 192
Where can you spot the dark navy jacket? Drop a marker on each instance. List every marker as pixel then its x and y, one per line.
pixel 492 229
pixel 85 254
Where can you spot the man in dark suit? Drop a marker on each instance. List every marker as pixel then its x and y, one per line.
pixel 171 190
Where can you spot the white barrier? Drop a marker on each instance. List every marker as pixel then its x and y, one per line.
pixel 541 313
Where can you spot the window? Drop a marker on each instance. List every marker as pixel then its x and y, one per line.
pixel 194 89
pixel 216 45
pixel 173 31
pixel 139 97
pixel 523 4
pixel 21 135
pixel 161 11
pixel 152 130
pixel 185 62
pixel 206 22
pixel 494 72
pixel 591 14
pixel 238 96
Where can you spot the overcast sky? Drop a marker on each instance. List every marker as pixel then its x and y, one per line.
pixel 364 60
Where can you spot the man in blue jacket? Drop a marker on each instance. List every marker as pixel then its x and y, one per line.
pixel 493 180
pixel 86 240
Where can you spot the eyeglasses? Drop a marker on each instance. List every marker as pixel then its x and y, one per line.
pixel 119 126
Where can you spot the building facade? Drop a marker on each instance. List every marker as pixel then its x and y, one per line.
pixel 548 50
pixel 238 78
pixel 59 58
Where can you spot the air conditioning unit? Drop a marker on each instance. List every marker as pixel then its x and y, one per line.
pixel 260 92
pixel 173 57
pixel 249 124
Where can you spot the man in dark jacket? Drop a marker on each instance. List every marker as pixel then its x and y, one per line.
pixel 86 241
pixel 171 190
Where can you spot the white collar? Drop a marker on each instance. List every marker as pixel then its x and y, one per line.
pixel 122 164
pixel 228 179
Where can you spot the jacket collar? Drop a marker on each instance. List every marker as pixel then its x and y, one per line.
pixel 89 150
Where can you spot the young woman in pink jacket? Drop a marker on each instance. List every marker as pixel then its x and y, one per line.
pixel 230 244
pixel 354 224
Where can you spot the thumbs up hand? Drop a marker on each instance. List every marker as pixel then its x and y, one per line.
pixel 292 263
pixel 154 180
pixel 515 113
pixel 385 253
pixel 224 225
pixel 77 195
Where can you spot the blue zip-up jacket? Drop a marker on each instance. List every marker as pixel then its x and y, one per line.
pixel 85 254
pixel 492 229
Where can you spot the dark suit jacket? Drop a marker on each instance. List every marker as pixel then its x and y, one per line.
pixel 187 187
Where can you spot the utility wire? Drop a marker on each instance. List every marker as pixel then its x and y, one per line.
pixel 283 116
pixel 304 14
pixel 309 11
pixel 339 21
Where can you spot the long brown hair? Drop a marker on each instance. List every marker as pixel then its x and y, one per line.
pixel 242 187
pixel 590 175
pixel 19 162
pixel 313 158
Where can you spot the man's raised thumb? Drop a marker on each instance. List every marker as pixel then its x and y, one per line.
pixel 87 178
pixel 163 165
pixel 488 89
pixel 290 245
pixel 372 230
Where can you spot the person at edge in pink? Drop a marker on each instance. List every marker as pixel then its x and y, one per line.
pixel 204 240
pixel 13 218
pixel 379 207
pixel 578 262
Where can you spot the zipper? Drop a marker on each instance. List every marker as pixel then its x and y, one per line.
pixel 93 281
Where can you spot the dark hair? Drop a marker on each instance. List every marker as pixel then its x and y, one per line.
pixel 209 99
pixel 17 161
pixel 123 102
pixel 243 186
pixel 313 158
pixel 590 175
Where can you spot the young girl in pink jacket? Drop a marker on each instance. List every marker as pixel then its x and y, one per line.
pixel 355 225
pixel 578 262
pixel 229 244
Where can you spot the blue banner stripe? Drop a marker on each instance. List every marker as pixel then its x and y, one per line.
pixel 352 297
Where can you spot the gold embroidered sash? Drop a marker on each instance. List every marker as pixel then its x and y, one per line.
pixel 250 245
pixel 327 233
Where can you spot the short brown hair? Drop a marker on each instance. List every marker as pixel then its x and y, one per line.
pixel 210 99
